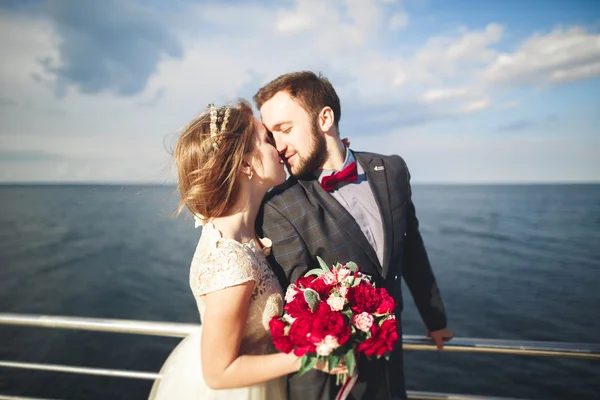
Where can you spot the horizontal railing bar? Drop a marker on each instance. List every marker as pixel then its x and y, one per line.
pixel 518 347
pixel 411 395
pixel 448 396
pixel 410 342
pixel 5 397
pixel 170 329
pixel 115 373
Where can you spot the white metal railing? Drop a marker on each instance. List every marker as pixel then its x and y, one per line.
pixel 410 342
pixel 171 329
pixel 137 327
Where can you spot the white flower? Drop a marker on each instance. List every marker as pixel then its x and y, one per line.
pixel 289 319
pixel 343 274
pixel 336 302
pixel 344 291
pixel 327 345
pixel 290 293
pixel 329 278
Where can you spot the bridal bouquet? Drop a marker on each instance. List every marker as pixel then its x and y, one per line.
pixel 331 314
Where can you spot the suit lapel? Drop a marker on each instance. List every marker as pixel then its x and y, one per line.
pixel 377 178
pixel 344 218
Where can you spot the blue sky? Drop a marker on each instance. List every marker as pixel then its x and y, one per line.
pixel 466 91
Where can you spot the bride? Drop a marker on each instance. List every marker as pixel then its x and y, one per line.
pixel 226 163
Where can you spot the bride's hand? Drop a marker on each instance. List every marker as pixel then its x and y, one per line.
pixel 324 367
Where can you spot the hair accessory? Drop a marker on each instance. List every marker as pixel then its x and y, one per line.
pixel 214 120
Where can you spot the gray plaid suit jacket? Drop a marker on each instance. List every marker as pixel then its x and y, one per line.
pixel 304 222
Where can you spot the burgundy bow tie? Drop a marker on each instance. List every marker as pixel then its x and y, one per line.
pixel 348 174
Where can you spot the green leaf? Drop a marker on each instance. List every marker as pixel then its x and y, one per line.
pixel 333 361
pixel 316 272
pixel 308 363
pixel 350 361
pixel 351 265
pixel 312 298
pixel 323 265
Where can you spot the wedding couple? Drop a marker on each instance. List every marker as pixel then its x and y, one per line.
pixel 338 204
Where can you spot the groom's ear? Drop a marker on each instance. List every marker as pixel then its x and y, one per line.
pixel 326 119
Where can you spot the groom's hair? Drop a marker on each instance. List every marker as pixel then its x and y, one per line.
pixel 313 92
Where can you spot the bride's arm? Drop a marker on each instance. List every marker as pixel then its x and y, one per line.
pixel 222 330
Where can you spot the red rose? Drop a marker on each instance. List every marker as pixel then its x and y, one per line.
pixel 328 322
pixel 321 287
pixel 299 333
pixel 387 304
pixel 364 298
pixel 298 306
pixel 382 340
pixel 281 341
pixel 304 281
pixel 310 329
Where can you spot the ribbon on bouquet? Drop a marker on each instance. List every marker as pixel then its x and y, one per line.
pixel 347 386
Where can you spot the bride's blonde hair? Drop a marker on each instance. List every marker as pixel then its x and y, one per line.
pixel 208 156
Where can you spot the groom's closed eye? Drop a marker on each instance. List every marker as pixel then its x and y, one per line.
pixel 270 138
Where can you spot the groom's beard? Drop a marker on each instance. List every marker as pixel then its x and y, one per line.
pixel 317 156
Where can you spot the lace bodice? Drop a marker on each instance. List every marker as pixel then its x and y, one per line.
pixel 219 263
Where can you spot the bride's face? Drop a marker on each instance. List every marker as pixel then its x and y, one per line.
pixel 267 165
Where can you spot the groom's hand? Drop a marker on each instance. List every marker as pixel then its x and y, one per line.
pixel 439 337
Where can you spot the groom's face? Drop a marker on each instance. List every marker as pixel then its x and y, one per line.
pixel 297 136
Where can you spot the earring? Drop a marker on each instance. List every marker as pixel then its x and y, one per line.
pixel 250 175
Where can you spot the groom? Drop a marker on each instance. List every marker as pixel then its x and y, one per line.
pixel 363 214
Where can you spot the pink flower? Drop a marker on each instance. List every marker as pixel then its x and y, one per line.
pixel 336 302
pixel 363 321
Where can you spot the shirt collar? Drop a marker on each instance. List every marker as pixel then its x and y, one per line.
pixel 326 172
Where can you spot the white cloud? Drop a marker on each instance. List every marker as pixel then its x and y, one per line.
pixel 475 106
pixel 473 46
pixel 563 55
pixel 293 23
pixel 446 94
pixel 451 56
pixel 399 21
pixel 24 43
pixel 575 74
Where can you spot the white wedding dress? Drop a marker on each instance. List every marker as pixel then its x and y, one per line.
pixel 219 263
